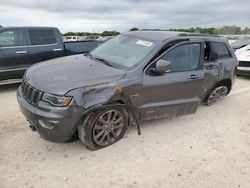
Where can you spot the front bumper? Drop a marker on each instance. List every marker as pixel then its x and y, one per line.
pixel 56 124
pixel 243 68
pixel 244 71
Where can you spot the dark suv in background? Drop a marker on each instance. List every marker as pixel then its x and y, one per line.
pixel 133 77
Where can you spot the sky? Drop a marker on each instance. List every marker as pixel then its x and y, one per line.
pixel 121 15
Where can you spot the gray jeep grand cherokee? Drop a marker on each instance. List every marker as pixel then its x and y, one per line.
pixel 133 77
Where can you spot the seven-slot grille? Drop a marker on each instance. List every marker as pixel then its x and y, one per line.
pixel 31 94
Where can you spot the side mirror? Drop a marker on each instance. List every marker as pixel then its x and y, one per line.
pixel 162 67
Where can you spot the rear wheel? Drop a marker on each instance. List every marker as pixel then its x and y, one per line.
pixel 217 94
pixel 103 128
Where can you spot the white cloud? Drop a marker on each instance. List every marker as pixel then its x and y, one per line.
pixel 99 15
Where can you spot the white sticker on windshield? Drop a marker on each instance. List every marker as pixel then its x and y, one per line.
pixel 144 43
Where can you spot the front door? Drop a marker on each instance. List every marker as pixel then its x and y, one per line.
pixel 176 92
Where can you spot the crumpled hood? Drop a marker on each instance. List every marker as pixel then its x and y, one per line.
pixel 60 75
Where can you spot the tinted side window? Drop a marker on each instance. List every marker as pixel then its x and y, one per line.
pixel 41 36
pixel 11 38
pixel 183 58
pixel 221 50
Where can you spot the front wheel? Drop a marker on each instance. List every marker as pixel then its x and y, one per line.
pixel 216 94
pixel 103 128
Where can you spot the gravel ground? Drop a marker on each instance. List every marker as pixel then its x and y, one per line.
pixel 210 148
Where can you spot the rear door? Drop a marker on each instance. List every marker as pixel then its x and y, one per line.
pixel 44 44
pixel 13 53
pixel 218 62
pixel 176 92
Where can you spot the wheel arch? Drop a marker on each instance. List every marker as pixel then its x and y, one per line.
pixel 96 107
pixel 224 82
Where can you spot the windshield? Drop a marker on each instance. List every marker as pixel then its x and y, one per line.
pixel 124 51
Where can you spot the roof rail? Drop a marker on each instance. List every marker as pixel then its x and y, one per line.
pixel 198 34
pixel 151 30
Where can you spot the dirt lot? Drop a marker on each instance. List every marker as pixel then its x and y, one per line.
pixel 208 149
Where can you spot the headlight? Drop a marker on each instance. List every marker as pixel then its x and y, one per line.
pixel 55 100
pixel 25 76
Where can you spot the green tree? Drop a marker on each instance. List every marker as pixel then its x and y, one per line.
pixel 245 31
pixel 134 29
pixel 109 33
pixel 228 30
pixel 69 34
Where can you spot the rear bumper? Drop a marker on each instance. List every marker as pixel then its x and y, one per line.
pixel 52 123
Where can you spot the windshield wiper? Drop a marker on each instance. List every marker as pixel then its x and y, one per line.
pixel 89 55
pixel 99 59
pixel 104 61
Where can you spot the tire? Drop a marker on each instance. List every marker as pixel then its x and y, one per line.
pixel 103 128
pixel 217 94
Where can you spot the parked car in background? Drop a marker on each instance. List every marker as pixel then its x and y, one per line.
pixel 133 77
pixel 92 37
pixel 21 47
pixel 243 55
pixel 231 38
pixel 72 38
pixel 241 42
pixel 106 38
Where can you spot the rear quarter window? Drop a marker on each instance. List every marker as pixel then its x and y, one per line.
pixel 41 37
pixel 221 50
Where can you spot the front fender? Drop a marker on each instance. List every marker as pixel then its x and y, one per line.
pixel 114 105
pixel 87 98
pixel 94 98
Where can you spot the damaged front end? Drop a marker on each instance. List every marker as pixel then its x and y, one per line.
pixel 103 96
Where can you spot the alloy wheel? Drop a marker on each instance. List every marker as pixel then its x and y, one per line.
pixel 108 127
pixel 217 94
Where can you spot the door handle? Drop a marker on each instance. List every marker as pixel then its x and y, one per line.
pixel 193 76
pixel 21 52
pixel 210 67
pixel 57 49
